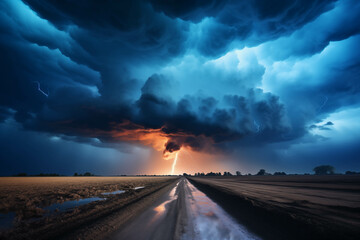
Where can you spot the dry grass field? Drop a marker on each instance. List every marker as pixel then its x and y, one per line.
pixel 28 196
pixel 273 207
pixel 26 193
pixel 329 205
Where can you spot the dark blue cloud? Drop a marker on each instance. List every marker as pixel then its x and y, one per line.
pixel 209 75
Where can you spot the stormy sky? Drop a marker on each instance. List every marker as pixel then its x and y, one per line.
pixel 120 87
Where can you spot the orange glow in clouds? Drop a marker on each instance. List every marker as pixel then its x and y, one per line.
pixel 155 138
pixel 149 137
pixel 183 160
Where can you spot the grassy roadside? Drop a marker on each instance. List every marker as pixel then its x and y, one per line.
pixel 91 221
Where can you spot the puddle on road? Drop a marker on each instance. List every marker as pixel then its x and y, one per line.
pixel 161 209
pixel 121 191
pixel 203 220
pixel 113 193
pixel 210 221
pixel 67 205
pixel 6 220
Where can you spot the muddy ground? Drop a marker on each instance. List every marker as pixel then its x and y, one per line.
pixel 272 207
pixel 290 207
pixel 184 213
pixel 27 196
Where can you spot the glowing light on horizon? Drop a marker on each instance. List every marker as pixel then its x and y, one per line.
pixel 174 163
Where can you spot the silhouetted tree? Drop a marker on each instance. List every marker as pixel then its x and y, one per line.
pixel 211 174
pixel 351 173
pixel 238 173
pixel 324 169
pixel 75 174
pixel 48 175
pixel 279 173
pixel 261 172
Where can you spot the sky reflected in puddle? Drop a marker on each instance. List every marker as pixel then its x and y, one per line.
pixel 210 221
pixel 6 220
pixel 161 209
pixel 67 205
pixel 137 188
pixel 184 213
pixel 113 192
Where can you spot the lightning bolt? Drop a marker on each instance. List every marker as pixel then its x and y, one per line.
pixel 257 126
pixel 39 89
pixel 174 163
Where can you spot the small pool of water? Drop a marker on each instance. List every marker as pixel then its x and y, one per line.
pixel 71 204
pixel 210 221
pixel 6 220
pixel 137 188
pixel 114 192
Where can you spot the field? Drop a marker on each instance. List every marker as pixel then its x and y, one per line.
pixel 277 207
pixel 271 207
pixel 28 197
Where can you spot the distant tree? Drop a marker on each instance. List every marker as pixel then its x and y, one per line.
pixel 48 175
pixel 185 174
pixel 324 169
pixel 219 173
pixel 279 173
pixel 76 174
pixel 351 173
pixel 227 174
pixel 261 172
pixel 211 174
pixel 88 174
pixel 22 174
pixel 238 173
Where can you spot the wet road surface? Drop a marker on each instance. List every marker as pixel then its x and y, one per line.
pixel 184 213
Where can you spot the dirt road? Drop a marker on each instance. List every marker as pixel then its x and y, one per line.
pixel 183 213
pixel 290 207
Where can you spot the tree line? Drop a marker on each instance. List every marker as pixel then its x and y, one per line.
pixel 318 170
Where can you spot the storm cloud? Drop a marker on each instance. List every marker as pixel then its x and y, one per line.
pixel 211 76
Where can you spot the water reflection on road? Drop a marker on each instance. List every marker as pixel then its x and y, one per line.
pixel 68 205
pixel 184 213
pixel 6 220
pixel 209 220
